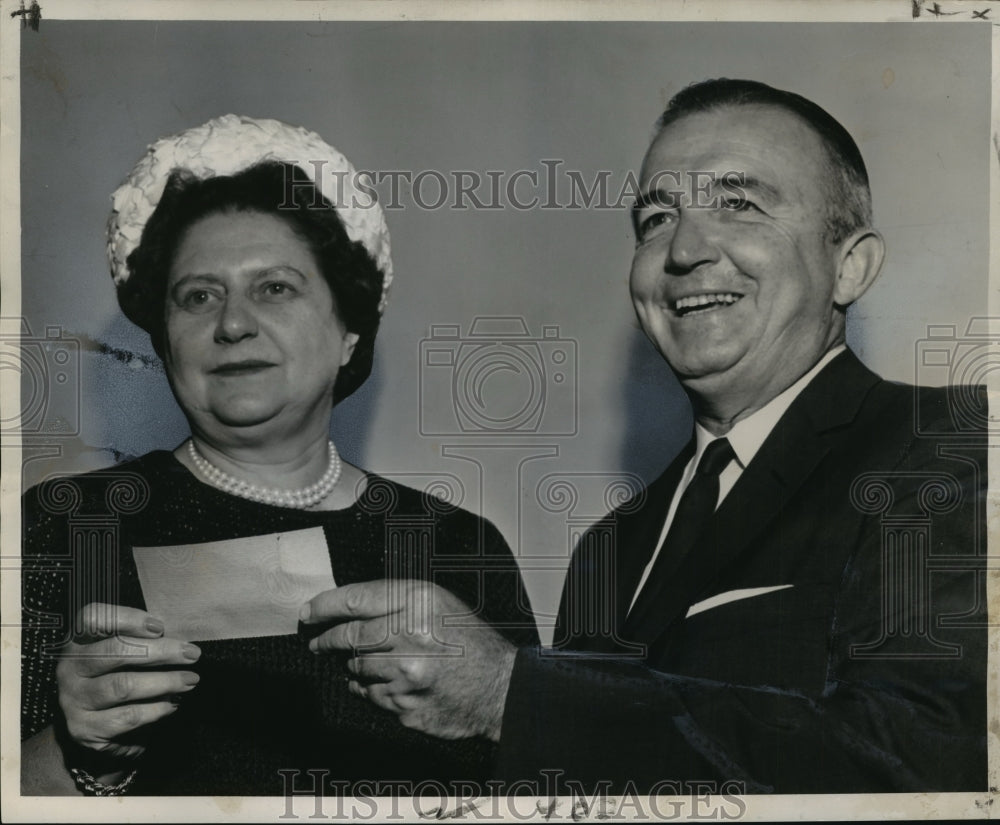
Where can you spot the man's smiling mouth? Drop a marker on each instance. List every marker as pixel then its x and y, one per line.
pixel 706 302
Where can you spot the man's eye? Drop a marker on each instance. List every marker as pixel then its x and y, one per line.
pixel 736 204
pixel 650 223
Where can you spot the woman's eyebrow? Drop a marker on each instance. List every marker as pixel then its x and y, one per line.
pixel 187 277
pixel 282 268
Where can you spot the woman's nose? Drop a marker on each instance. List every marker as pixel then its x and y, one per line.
pixel 236 320
pixel 690 247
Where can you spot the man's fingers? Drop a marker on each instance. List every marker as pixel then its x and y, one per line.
pixel 98 620
pixel 369 635
pixel 128 652
pixel 388 697
pixel 361 600
pixel 128 686
pixel 369 669
pixel 378 694
pixel 404 674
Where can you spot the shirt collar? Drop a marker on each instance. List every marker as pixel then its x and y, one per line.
pixel 748 434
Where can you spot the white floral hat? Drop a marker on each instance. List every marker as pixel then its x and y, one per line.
pixel 230 144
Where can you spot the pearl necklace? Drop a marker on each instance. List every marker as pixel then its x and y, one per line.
pixel 301 499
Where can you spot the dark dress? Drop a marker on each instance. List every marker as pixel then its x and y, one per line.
pixel 264 704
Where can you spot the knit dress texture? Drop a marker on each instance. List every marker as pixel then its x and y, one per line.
pixel 267 709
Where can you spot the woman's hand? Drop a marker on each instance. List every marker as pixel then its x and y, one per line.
pixel 121 675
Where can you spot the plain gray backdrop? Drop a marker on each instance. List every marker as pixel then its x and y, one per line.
pixel 600 410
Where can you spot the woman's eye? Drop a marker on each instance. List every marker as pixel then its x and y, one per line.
pixel 277 290
pixel 197 299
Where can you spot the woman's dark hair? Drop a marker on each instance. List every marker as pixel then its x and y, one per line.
pixel 272 188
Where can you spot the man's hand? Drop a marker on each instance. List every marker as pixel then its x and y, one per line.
pixel 420 653
pixel 121 675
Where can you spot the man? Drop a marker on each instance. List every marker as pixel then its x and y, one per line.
pixel 798 603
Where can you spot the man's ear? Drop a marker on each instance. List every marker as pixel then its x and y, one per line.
pixel 860 259
pixel 350 342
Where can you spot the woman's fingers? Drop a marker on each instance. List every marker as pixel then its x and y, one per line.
pixel 97 728
pixel 120 674
pixel 129 686
pixel 105 688
pixel 116 653
pixel 98 620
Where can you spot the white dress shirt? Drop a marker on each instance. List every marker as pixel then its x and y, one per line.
pixel 746 438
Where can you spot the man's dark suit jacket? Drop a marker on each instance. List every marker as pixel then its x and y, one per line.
pixel 868 674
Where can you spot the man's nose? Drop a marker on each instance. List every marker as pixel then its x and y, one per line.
pixel 690 246
pixel 236 320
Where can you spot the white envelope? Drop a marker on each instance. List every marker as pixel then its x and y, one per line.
pixel 234 589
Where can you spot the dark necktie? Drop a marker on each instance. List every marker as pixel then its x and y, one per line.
pixel 694 511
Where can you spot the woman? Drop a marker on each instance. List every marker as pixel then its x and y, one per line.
pixel 260 271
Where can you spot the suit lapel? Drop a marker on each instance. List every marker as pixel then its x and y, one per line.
pixel 789 455
pixel 639 535
pixel 596 596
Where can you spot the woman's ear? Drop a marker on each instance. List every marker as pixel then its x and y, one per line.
pixel 861 257
pixel 350 341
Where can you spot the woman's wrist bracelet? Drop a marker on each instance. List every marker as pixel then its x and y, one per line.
pixel 91 787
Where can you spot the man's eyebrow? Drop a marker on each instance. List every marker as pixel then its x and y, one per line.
pixel 753 184
pixel 661 190
pixel 644 199
pixel 729 180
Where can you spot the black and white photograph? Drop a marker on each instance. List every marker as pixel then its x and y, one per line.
pixel 554 411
